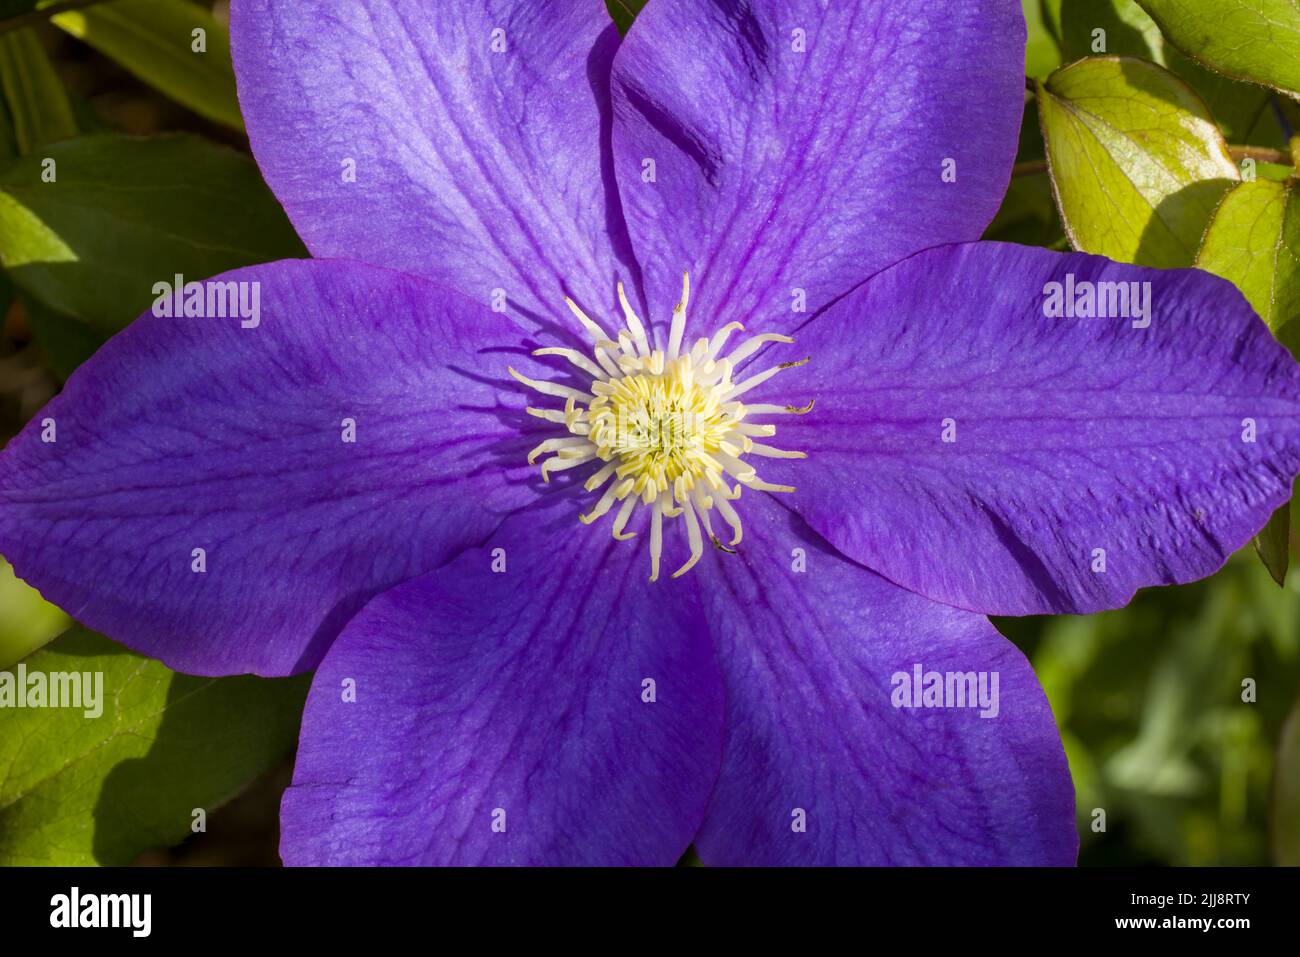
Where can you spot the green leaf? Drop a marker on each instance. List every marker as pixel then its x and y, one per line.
pixel 1254 242
pixel 1255 40
pixel 1126 30
pixel 154 40
pixel 623 12
pixel 67 342
pixel 1052 17
pixel 37 101
pixel 9 9
pixel 126 213
pixel 1273 544
pixel 1284 809
pixel 1273 171
pixel 1042 55
pixel 8 138
pixel 1027 214
pixel 1179 761
pixel 1109 28
pixel 1137 164
pixel 82 790
pixel 27 620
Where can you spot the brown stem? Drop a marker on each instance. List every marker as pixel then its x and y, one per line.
pixel 1029 168
pixel 1261 154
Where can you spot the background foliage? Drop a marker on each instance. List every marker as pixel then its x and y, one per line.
pixel 1158 132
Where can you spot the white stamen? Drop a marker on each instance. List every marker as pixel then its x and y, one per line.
pixel 596 333
pixel 666 425
pixel 620 520
pixel 732 519
pixel 560 463
pixel 765 409
pixel 613 493
pixel 633 323
pixel 757 448
pixel 552 388
pixel 678 326
pixel 752 345
pixel 721 336
pixel 758 485
pixel 656 540
pixel 755 381
pixel 693 536
pixel 554 445
pixel 574 356
pixel 600 478
pixel 607 361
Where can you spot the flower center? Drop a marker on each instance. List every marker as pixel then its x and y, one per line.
pixel 667 426
pixel 659 427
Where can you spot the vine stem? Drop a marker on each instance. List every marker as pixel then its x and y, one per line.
pixel 1261 154
pixel 1029 168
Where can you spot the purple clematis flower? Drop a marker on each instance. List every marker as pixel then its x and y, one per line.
pixel 496 681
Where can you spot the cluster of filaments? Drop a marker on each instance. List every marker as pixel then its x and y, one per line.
pixel 667 426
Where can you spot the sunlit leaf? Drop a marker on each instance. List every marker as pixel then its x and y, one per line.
pixel 27 621
pixel 1253 240
pixel 1122 28
pixel 85 789
pixel 1137 164
pixel 1042 55
pixel 1255 40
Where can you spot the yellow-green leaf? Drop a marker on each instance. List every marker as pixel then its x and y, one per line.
pixel 1255 40
pixel 1122 28
pixel 27 621
pixel 1042 55
pixel 1137 164
pixel 127 769
pixel 1254 241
